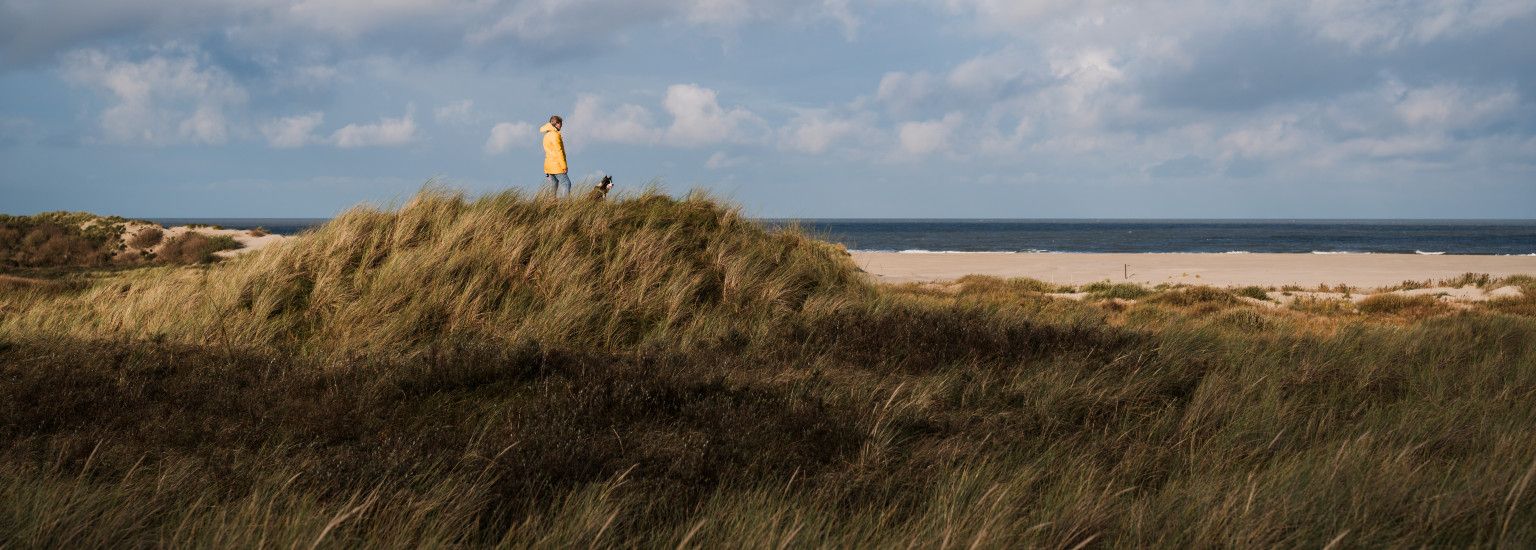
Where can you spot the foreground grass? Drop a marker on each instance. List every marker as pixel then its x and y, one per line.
pixel 651 372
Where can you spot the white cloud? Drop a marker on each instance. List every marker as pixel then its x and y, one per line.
pixel 921 138
pixel 1266 138
pixel 506 135
pixel 842 13
pixel 293 131
pixel 1360 24
pixel 169 97
pixel 1451 106
pixel 720 160
pixel 591 119
pixel 302 78
pixel 698 118
pixel 33 30
pixel 905 91
pixel 388 132
pixel 1389 24
pixel 458 112
pixel 818 132
pixel 206 125
pixel 546 22
pixel 1014 12
pixel 987 75
pixel 349 18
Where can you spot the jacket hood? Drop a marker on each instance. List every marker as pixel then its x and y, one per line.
pixel 546 128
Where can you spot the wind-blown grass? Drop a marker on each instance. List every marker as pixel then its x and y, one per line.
pixel 514 371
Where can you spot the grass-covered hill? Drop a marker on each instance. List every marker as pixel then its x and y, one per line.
pixel 516 371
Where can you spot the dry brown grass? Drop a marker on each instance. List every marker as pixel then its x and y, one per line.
pixel 194 248
pixel 1416 307
pixel 146 238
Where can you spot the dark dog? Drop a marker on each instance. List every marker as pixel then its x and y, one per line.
pixel 600 191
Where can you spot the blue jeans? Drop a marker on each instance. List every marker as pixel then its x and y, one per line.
pixel 556 180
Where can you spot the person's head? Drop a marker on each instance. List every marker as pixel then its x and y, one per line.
pixel 556 121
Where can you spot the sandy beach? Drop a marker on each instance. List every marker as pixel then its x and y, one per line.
pixel 1309 270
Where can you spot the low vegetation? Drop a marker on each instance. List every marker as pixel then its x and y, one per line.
pixel 195 248
pixel 1323 305
pixel 57 239
pixel 1255 292
pixel 73 240
pixel 647 371
pixel 1120 291
pixel 147 237
pixel 1398 304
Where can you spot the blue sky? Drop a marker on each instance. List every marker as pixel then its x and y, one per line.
pixel 794 108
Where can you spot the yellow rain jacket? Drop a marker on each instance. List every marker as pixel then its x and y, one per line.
pixel 554 150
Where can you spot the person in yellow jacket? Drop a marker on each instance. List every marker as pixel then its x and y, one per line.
pixel 555 169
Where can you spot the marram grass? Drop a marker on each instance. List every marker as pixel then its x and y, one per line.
pixel 647 272
pixel 524 372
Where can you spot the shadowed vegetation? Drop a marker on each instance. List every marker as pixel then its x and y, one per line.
pixel 514 371
pixel 57 239
pixel 70 240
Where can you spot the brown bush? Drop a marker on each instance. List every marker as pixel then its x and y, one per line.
pixel 48 245
pixel 194 248
pixel 147 237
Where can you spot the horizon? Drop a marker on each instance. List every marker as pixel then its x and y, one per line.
pixel 805 109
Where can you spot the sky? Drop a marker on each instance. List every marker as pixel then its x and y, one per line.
pixel 789 108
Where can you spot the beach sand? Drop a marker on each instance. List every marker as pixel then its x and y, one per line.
pixel 1365 271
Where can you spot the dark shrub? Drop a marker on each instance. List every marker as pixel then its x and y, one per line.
pixel 27 244
pixel 194 248
pixel 147 237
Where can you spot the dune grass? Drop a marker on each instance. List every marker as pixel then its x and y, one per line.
pixel 517 371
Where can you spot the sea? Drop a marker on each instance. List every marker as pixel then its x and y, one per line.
pixel 1495 237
